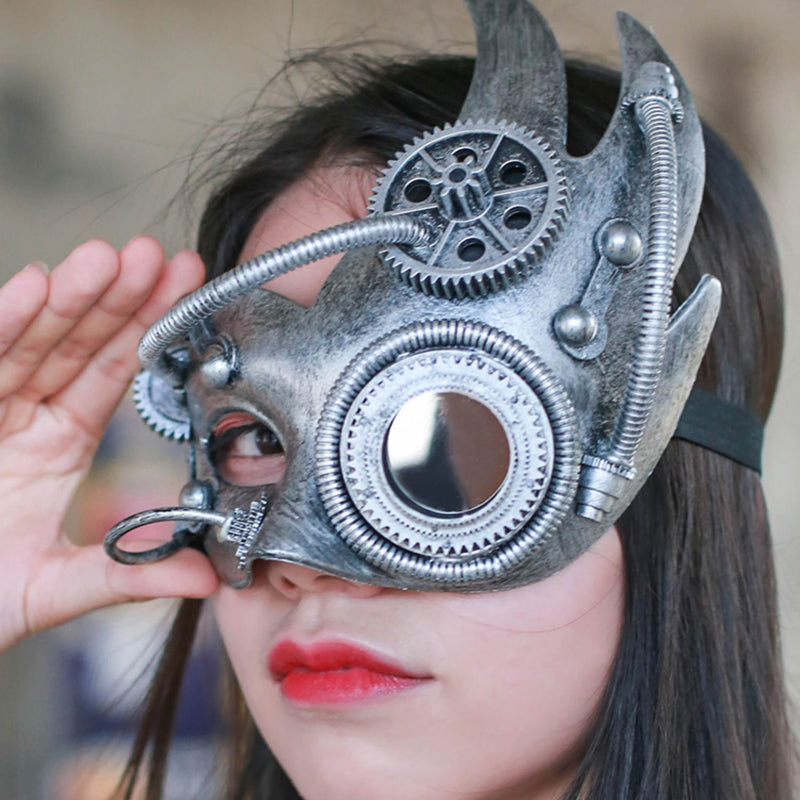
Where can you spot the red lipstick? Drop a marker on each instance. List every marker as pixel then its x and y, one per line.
pixel 332 673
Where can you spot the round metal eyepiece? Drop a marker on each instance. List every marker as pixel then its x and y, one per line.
pixel 220 363
pixel 446 453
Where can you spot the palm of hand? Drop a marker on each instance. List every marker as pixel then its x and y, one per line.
pixel 67 354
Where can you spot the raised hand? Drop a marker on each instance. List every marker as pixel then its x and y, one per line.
pixel 67 355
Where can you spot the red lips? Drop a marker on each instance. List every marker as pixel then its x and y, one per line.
pixel 335 673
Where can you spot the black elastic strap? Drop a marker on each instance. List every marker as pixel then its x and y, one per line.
pixel 723 427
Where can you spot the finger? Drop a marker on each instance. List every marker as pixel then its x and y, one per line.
pixel 85 578
pixel 75 285
pixel 21 299
pixel 185 272
pixel 141 265
pixel 92 397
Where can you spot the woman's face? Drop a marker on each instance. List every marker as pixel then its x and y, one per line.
pixel 487 695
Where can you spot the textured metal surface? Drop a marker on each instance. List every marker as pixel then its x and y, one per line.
pixel 245 277
pixel 654 98
pixel 295 364
pixel 242 528
pixel 494 197
pixel 519 74
pixel 655 116
pixel 446 355
pixel 162 406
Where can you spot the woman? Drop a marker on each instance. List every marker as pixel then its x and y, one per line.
pixel 646 667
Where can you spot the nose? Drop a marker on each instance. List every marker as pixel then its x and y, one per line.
pixel 293 581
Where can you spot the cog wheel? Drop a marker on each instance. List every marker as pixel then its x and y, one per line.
pixel 494 195
pixel 161 406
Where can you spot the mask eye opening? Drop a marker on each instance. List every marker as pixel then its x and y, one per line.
pixel 244 450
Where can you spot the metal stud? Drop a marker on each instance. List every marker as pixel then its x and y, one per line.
pixel 220 362
pixel 575 325
pixel 197 494
pixel 620 243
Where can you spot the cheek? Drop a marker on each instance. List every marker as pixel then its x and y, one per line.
pixel 246 620
pixel 536 660
pixel 518 677
pixel 239 644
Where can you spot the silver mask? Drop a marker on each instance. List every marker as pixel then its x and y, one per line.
pixel 490 373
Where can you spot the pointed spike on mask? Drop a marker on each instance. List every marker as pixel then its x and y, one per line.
pixel 519 71
pixel 638 46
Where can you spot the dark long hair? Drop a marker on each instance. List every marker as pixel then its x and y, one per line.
pixel 695 706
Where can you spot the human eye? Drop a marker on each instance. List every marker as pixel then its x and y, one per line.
pixel 246 452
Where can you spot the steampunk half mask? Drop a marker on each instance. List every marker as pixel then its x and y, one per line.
pixel 490 373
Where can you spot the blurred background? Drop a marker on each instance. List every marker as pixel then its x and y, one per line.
pixel 104 104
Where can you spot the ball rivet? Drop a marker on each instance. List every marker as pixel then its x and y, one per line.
pixel 220 363
pixel 575 325
pixel 620 243
pixel 197 494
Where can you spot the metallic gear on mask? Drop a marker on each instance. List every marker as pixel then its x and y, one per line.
pixel 162 406
pixel 495 195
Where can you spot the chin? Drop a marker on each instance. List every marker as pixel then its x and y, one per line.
pixel 345 766
pixel 343 773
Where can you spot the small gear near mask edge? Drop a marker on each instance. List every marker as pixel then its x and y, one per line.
pixel 162 406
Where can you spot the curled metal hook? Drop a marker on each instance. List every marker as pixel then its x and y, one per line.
pixel 240 280
pixel 240 527
pixel 182 536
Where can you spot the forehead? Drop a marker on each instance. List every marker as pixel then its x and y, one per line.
pixel 326 196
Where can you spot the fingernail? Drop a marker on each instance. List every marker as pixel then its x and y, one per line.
pixel 40 265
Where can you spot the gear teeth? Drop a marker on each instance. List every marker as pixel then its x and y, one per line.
pixel 506 269
pixel 160 408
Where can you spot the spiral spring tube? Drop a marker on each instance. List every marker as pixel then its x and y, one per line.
pixel 655 116
pixel 226 288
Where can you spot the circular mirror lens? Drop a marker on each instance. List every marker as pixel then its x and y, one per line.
pixel 446 453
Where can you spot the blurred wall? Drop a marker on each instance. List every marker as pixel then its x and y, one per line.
pixel 103 103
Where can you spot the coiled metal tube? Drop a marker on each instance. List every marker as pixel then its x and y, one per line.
pixel 655 116
pixel 226 288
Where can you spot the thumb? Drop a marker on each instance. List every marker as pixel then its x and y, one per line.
pixel 84 578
